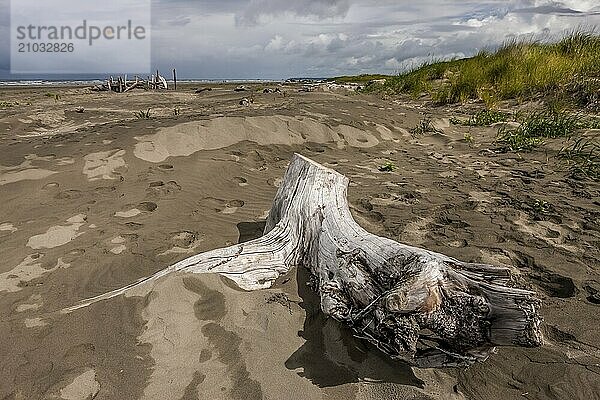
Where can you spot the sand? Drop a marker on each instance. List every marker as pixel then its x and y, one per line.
pixel 93 201
pixel 104 164
pixel 83 387
pixel 188 138
pixel 58 235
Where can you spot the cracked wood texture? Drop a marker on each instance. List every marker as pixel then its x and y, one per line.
pixel 413 304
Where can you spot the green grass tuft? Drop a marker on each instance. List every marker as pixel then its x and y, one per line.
pixel 589 123
pixel 482 118
pixel 387 167
pixel 534 128
pixel 143 114
pixel 582 158
pixel 424 126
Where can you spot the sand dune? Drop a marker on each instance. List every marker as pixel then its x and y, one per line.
pixel 189 138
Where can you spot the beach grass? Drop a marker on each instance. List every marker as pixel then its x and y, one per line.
pixel 517 70
pixel 482 118
pixel 387 167
pixel 535 127
pixel 582 158
pixel 424 126
pixel 143 114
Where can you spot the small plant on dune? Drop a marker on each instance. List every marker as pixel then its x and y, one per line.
pixel 589 123
pixel 482 118
pixel 424 126
pixel 585 92
pixel 387 167
pixel 143 114
pixel 541 207
pixel 582 158
pixel 550 124
pixel 516 140
pixel 535 128
pixel 56 96
pixel 486 118
pixel 176 111
pixel 469 138
pixel 457 121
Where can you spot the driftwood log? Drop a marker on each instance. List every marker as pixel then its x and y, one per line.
pixel 413 304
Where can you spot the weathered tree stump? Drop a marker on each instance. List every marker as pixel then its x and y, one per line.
pixel 413 304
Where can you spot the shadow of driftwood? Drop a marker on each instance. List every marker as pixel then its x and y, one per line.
pixel 250 230
pixel 331 355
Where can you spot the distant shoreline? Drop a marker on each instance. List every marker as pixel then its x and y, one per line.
pixel 87 82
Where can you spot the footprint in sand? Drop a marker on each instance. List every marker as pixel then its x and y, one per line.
pixel 146 206
pixel 551 233
pixel 240 181
pixel 128 214
pixel 105 190
pixel 134 226
pixel 365 211
pixel 120 247
pixel 51 185
pixel 415 232
pixel 232 207
pixel 184 242
pixel 276 182
pixel 593 290
pixel 222 206
pixel 162 189
pixel 315 149
pixel 68 194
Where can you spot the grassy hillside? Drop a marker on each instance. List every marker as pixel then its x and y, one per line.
pixel 521 70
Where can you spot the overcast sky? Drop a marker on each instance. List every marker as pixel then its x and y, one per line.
pixel 274 39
